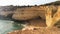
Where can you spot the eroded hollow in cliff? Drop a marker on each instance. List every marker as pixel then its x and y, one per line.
pixel 57 24
pixel 37 22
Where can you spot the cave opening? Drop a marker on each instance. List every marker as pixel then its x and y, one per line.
pixel 57 24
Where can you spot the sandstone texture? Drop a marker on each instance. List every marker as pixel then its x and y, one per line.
pixel 36 16
pixel 41 30
pixel 26 13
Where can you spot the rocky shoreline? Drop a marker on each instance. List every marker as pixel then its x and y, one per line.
pixel 41 30
pixel 33 16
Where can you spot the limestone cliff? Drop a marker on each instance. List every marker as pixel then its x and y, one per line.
pixel 26 12
pixel 29 13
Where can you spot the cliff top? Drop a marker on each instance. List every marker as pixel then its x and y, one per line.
pixel 53 3
pixel 12 8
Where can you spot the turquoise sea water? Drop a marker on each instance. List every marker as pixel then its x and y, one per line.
pixel 9 26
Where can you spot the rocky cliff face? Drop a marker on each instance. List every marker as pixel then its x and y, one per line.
pixel 5 10
pixel 26 13
pixel 23 13
pixel 33 12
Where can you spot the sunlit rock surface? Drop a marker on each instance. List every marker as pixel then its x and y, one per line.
pixel 41 30
pixel 25 13
pixel 28 13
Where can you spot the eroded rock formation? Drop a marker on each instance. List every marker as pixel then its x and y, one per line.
pixel 28 13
